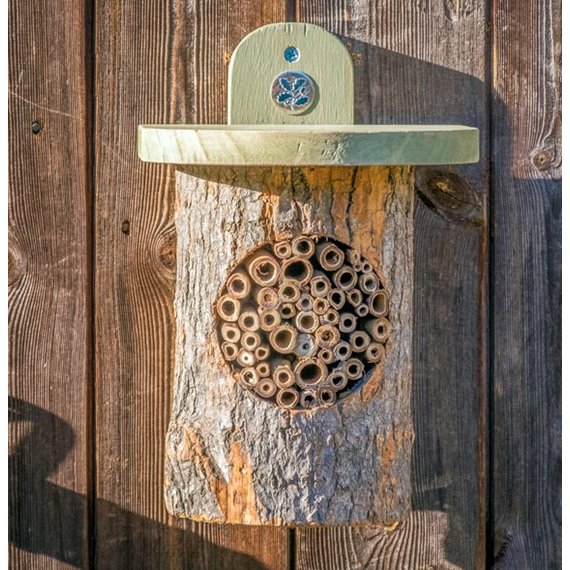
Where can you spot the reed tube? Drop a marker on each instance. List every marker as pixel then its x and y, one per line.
pixel 245 357
pixel 320 306
pixel 354 297
pixel 239 285
pixel 327 336
pixel 266 388
pixel 305 346
pixel 287 399
pixel 230 350
pixel 297 269
pixel 263 268
pixel 330 256
pixel 347 322
pixel 378 303
pixel 248 377
pixel 379 329
pixel 326 355
pixel 303 246
pixel 345 278
pixel 283 376
pixel 287 310
pixel 228 308
pixel 353 368
pixel 230 333
pixel 320 284
pixel 267 298
pixel 282 250
pixel 269 319
pixel 305 302
pixel 368 283
pixel 342 351
pixel 289 292
pixel 263 369
pixel 337 380
pixel 310 372
pixel 362 310
pixel 375 352
pixel 326 396
pixel 262 353
pixel 331 317
pixel 308 400
pixel 251 340
pixel 359 341
pixel 249 320
pixel 283 339
pixel 336 298
pixel 307 322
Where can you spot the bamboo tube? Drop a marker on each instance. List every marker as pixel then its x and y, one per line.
pixel 289 292
pixel 320 284
pixel 305 346
pixel 326 396
pixel 228 308
pixel 248 377
pixel 305 302
pixel 282 250
pixel 337 380
pixel 346 322
pixel 307 322
pixel 283 376
pixel 331 317
pixel 303 246
pixel 308 400
pixel 326 355
pixel 249 320
pixel 283 339
pixel 310 372
pixel 354 297
pixel 267 298
pixel 359 341
pixel 336 298
pixel 250 340
pixel 287 310
pixel 230 333
pixel 263 369
pixel 287 398
pixel 330 256
pixel 263 268
pixel 368 283
pixel 320 306
pixel 375 352
pixel 297 269
pixel 353 368
pixel 262 353
pixel 342 351
pixel 245 358
pixel 379 329
pixel 266 388
pixel 362 310
pixel 269 319
pixel 378 303
pixel 327 336
pixel 345 278
pixel 239 285
pixel 230 350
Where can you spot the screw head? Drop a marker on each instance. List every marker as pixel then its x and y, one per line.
pixel 293 92
pixel 291 54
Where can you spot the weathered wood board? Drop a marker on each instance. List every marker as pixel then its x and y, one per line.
pixel 49 272
pixel 233 458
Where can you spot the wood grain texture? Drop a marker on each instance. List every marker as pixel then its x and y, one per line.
pixel 418 542
pixel 424 62
pixel 316 145
pixel 49 283
pixel 259 59
pixel 526 442
pixel 233 458
pixel 156 62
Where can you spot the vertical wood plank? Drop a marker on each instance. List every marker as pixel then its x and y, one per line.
pixel 49 284
pixel 526 439
pixel 158 62
pixel 424 62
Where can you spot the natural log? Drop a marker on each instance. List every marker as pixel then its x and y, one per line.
pixel 234 458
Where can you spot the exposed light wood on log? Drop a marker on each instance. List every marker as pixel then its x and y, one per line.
pixel 49 284
pixel 424 62
pixel 526 443
pixel 230 456
pixel 157 62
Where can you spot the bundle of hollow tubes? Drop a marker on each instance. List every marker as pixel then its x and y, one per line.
pixel 302 322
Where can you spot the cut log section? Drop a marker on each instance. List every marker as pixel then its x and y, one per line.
pixel 244 448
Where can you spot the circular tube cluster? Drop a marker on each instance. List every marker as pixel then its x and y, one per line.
pixel 301 322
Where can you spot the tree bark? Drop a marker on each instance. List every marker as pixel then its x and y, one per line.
pixel 234 458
